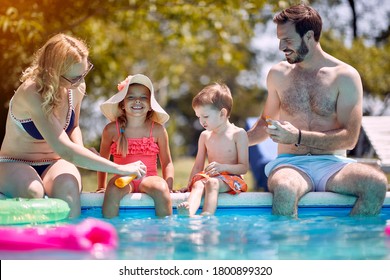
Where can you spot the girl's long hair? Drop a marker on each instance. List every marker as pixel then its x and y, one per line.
pixel 50 62
pixel 122 145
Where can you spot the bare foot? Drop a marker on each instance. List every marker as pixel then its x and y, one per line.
pixel 206 214
pixel 183 209
pixel 100 190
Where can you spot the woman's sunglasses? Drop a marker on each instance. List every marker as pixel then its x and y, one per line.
pixel 78 79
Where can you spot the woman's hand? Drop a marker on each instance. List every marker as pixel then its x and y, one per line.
pixel 137 168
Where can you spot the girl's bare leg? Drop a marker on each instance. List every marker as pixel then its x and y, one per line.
pixel 158 189
pixel 112 198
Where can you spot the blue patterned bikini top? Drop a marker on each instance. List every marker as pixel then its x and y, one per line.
pixel 29 126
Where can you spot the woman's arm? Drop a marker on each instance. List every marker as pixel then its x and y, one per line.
pixel 52 131
pixel 78 95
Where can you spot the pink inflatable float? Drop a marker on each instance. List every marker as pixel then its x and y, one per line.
pixel 387 229
pixel 90 235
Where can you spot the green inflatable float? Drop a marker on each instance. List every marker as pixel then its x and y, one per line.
pixel 38 210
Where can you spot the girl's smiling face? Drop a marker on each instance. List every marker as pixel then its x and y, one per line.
pixel 137 100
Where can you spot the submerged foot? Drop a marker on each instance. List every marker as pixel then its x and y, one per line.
pixel 206 214
pixel 183 209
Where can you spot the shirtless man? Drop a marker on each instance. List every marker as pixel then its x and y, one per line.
pixel 315 106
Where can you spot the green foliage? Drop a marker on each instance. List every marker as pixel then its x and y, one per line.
pixel 372 62
pixel 181 45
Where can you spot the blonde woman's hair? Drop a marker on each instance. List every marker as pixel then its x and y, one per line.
pixel 217 95
pixel 50 62
pixel 122 144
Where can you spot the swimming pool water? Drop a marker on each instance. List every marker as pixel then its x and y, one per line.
pixel 241 233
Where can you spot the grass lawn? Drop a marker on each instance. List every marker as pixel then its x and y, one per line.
pixel 183 168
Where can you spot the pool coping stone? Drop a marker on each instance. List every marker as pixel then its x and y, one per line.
pixel 248 199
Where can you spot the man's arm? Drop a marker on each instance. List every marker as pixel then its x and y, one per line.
pixel 258 131
pixel 348 116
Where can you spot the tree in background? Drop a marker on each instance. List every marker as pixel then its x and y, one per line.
pixel 182 45
pixel 369 42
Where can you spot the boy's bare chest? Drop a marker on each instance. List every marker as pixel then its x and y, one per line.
pixel 219 147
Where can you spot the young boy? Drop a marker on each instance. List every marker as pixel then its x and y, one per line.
pixel 223 144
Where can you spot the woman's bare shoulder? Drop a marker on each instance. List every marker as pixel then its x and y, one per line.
pixel 26 98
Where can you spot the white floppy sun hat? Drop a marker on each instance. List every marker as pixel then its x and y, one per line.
pixel 111 109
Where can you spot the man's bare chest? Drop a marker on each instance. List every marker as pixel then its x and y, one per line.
pixel 309 94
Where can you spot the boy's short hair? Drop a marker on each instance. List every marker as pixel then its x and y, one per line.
pixel 217 95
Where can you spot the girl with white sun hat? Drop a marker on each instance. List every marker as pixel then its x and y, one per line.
pixel 136 133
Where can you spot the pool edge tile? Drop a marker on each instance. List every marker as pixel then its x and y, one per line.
pixel 248 199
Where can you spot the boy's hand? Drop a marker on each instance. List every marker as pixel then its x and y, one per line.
pixel 214 168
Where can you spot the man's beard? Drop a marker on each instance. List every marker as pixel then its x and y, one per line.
pixel 301 54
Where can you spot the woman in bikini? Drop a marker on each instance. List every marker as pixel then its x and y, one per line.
pixel 43 143
pixel 136 133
